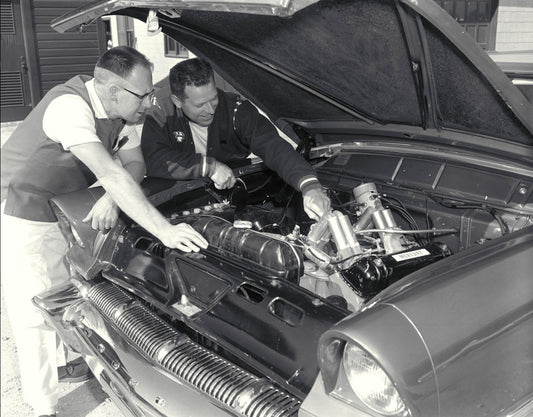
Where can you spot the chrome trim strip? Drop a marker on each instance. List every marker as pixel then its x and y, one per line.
pixel 522 410
pixel 228 385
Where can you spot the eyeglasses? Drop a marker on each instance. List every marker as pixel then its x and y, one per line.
pixel 150 94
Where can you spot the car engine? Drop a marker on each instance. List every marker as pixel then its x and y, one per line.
pixel 344 261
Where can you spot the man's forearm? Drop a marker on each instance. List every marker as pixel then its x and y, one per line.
pixel 136 169
pixel 128 195
pixel 120 185
pixel 123 189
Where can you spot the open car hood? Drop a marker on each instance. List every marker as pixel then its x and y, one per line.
pixel 401 66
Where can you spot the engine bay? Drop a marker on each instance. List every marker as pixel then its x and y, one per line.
pixel 271 279
pixel 374 235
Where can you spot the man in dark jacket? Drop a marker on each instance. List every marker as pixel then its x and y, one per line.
pixel 199 130
pixel 65 144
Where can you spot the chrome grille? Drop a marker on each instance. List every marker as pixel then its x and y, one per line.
pixel 237 390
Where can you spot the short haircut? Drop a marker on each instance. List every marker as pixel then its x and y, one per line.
pixel 122 60
pixel 196 72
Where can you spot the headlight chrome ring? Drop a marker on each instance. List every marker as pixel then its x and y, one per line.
pixel 370 383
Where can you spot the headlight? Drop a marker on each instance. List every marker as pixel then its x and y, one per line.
pixel 370 383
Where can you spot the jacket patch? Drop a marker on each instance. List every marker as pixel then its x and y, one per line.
pixel 179 136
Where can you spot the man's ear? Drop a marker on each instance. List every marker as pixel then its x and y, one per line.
pixel 113 92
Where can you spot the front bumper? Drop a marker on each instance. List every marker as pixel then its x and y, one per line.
pixel 149 368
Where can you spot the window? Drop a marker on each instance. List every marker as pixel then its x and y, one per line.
pixel 130 32
pixel 107 31
pixel 175 49
pixel 125 32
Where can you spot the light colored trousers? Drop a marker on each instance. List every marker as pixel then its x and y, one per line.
pixel 32 262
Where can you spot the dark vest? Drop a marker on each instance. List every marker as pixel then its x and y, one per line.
pixel 36 169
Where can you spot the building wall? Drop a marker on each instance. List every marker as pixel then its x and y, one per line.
pixel 35 58
pixel 153 46
pixel 514 25
pixel 61 56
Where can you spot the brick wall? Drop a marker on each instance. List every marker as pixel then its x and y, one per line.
pixel 514 31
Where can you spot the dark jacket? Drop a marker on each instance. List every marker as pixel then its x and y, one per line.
pixel 35 168
pixel 237 129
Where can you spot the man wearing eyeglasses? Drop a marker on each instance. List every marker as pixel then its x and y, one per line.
pixel 66 143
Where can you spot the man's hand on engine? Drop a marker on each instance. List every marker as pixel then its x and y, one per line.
pixel 183 237
pixel 222 176
pixel 316 203
pixel 104 214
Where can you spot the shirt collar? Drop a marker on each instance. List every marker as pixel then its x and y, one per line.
pixel 98 107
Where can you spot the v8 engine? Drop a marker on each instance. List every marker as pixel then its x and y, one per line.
pixel 344 261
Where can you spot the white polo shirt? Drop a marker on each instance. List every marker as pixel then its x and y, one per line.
pixel 69 120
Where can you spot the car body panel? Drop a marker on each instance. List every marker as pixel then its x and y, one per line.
pixel 481 313
pixel 138 383
pixel 422 348
pixel 100 8
pixel 415 77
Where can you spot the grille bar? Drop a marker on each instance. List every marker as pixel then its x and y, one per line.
pixel 237 390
